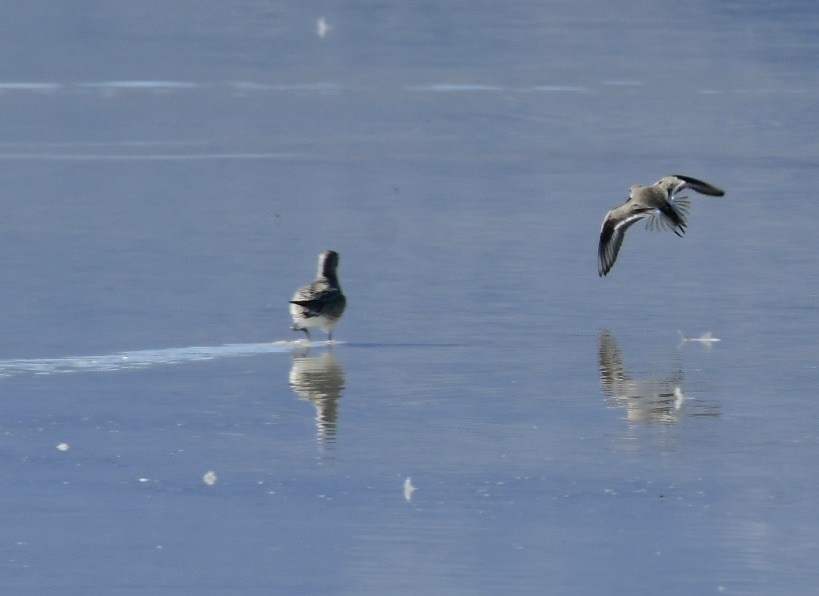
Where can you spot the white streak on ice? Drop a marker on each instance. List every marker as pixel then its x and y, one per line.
pixel 142 358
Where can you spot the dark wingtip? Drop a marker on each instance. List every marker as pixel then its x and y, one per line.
pixel 604 263
pixel 602 270
pixel 700 186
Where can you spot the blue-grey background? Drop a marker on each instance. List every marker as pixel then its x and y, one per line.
pixel 171 171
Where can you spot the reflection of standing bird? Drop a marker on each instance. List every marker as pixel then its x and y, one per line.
pixel 321 303
pixel 319 380
pixel 659 203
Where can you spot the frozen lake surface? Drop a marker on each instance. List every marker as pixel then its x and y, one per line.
pixel 493 417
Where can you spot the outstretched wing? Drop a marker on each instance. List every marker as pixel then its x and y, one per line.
pixel 700 186
pixel 612 234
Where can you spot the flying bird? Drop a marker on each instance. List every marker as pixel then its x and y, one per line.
pixel 660 203
pixel 321 303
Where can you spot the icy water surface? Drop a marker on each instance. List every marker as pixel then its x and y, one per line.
pixel 493 417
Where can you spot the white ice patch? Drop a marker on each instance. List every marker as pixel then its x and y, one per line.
pixel 144 358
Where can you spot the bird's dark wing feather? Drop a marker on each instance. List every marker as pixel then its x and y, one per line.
pixel 611 238
pixel 701 187
pixel 657 220
pixel 318 304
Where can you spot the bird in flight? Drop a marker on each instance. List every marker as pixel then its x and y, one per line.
pixel 661 204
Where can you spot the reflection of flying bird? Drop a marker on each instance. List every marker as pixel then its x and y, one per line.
pixel 321 303
pixel 660 203
pixel 319 380
pixel 645 400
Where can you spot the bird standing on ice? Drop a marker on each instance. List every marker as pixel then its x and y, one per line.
pixel 321 303
pixel 660 203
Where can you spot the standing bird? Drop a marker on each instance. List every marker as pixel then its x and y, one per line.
pixel 659 203
pixel 321 303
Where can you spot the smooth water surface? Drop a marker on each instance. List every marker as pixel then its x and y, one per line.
pixel 493 417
